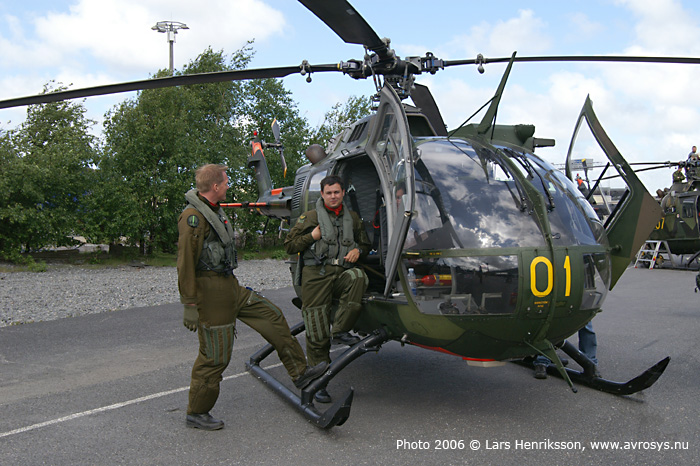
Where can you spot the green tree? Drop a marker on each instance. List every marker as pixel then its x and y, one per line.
pixel 145 144
pixel 13 200
pixel 267 100
pixel 47 175
pixel 155 141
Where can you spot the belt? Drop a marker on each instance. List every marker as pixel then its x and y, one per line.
pixel 312 262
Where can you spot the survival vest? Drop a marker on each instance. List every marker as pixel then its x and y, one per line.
pixel 219 249
pixel 337 238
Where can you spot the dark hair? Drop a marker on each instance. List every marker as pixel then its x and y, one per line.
pixel 331 180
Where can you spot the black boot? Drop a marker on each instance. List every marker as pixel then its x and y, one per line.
pixel 310 374
pixel 345 338
pixel 540 371
pixel 322 396
pixel 204 421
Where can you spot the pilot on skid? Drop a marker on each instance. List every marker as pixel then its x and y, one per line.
pixel 330 240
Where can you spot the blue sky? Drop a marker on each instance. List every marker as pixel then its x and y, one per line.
pixel 649 111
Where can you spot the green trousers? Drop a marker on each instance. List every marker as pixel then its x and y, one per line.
pixel 220 301
pixel 317 294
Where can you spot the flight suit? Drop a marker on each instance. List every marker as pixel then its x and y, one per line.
pixel 321 281
pixel 220 301
pixel 678 176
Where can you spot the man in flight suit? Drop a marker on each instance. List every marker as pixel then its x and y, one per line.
pixel 213 299
pixel 331 239
pixel 678 176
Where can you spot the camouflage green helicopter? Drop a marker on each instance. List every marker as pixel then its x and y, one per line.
pixel 678 227
pixel 676 236
pixel 510 259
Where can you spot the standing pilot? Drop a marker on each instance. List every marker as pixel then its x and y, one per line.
pixel 678 176
pixel 213 299
pixel 691 164
pixel 331 239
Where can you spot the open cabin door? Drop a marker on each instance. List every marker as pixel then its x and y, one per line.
pixel 636 214
pixel 391 148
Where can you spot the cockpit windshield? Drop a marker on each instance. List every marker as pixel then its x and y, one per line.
pixel 467 196
pixel 462 202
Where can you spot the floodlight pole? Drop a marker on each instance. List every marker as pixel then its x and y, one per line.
pixel 171 28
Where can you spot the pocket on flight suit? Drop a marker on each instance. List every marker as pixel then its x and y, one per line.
pixel 218 342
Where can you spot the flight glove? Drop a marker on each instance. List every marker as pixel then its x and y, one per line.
pixel 191 317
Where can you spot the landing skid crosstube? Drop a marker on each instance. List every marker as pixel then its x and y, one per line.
pixel 339 412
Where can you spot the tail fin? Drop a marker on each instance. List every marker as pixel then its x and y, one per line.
pixel 257 161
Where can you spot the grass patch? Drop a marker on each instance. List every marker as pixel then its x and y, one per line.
pixel 24 263
pixel 98 260
pixel 272 252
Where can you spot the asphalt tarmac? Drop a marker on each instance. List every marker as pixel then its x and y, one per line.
pixel 111 388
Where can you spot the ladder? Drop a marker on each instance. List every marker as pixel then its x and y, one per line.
pixel 653 251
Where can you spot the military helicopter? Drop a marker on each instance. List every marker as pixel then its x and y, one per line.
pixel 677 229
pixel 678 226
pixel 509 258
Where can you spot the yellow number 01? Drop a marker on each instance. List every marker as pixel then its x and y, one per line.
pixel 550 276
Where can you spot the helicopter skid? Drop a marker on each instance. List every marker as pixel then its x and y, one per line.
pixel 588 376
pixel 339 412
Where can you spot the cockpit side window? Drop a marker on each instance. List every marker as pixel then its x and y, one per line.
pixel 313 192
pixel 464 286
pixel 688 209
pixel 391 149
pixel 572 219
pixel 386 145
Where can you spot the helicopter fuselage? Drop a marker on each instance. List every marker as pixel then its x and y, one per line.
pixel 480 248
pixel 679 226
pixel 506 251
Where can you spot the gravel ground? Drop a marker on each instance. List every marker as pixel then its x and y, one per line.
pixel 68 291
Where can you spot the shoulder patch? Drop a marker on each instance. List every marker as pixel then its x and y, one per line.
pixel 193 221
pixel 301 219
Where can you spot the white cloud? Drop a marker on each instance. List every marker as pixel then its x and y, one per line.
pixel 664 26
pixel 118 32
pixel 115 36
pixel 650 109
pixel 524 33
pixel 104 41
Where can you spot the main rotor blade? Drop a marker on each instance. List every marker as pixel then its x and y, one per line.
pixel 662 164
pixel 581 58
pixel 345 21
pixel 169 81
pixel 424 100
pixel 651 168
